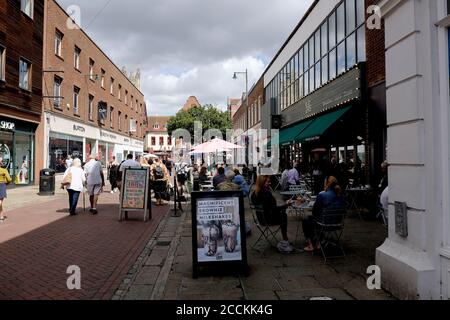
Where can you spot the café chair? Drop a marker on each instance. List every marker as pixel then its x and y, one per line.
pixel 268 231
pixel 329 231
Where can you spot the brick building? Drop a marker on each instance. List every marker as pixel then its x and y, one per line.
pixel 157 139
pixel 327 82
pixel 21 43
pixel 90 105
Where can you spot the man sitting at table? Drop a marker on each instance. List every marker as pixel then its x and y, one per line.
pixel 330 198
pixel 228 184
pixel 219 178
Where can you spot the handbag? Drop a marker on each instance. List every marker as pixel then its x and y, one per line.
pixel 67 181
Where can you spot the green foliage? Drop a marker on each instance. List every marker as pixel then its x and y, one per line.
pixel 208 115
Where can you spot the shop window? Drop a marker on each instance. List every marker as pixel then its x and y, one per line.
pixel 57 92
pixel 25 74
pixel 2 63
pixel 27 7
pixel 58 43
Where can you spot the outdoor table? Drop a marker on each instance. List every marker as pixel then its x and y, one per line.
pixel 354 194
pixel 300 211
pixel 292 194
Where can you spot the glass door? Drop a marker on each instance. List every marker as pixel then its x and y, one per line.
pixel 23 159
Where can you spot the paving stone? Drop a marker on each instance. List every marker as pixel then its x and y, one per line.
pixel 139 292
pixel 157 257
pixel 147 275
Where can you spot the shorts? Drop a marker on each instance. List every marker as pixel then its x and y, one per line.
pixel 2 191
pixel 94 189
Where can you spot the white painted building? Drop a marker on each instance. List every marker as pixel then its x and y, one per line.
pixel 157 139
pixel 417 264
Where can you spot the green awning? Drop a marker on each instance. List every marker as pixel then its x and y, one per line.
pixel 288 135
pixel 320 125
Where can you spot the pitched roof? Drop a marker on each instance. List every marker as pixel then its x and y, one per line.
pixel 161 121
pixel 191 103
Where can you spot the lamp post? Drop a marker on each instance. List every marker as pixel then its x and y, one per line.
pixel 235 77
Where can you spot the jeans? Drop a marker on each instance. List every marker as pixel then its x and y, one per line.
pixel 73 200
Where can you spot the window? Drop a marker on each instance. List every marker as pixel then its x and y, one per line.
pixel 126 97
pixel 332 31
pixel 351 50
pixel 332 64
pixel 127 127
pixel 27 7
pixel 24 74
pixel 58 43
pixel 111 117
pixel 350 12
pixel 318 75
pixel 131 102
pixel 111 89
pixel 120 120
pixel 76 95
pixel 153 141
pixel 91 69
pixel 169 141
pixel 156 126
pixel 103 78
pixel 340 13
pixel 311 51
pixel 317 46
pixel 360 12
pixel 57 92
pixel 2 63
pixel 324 70
pixel 120 92
pixel 161 141
pixel 76 57
pixel 341 58
pixel 361 35
pixel 324 38
pixel 91 108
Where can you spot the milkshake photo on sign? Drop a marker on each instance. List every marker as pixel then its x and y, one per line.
pixel 218 226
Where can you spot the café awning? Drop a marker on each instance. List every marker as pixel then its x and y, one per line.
pixel 320 125
pixel 288 135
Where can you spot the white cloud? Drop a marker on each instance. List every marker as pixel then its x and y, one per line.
pixel 190 47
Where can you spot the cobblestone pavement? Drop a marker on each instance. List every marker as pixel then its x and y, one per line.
pixel 38 243
pixel 164 270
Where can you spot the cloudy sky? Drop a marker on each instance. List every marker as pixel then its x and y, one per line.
pixel 190 47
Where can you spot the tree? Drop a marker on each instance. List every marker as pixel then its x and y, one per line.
pixel 210 117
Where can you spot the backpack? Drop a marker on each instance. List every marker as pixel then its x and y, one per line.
pixel 158 173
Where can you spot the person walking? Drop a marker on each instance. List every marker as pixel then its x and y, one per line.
pixel 76 186
pixel 5 179
pixel 113 171
pixel 159 176
pixel 95 181
pixel 69 161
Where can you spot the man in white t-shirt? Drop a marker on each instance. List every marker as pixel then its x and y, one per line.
pixel 95 181
pixel 129 163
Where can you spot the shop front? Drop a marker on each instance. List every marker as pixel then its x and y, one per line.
pixel 17 149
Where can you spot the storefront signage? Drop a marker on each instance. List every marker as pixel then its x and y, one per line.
pixel 9 126
pixel 79 128
pixel 125 140
pixel 107 135
pixel 218 229
pixel 5 154
pixel 344 89
pixel 135 192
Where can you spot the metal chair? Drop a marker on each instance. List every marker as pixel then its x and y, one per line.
pixel 268 231
pixel 330 227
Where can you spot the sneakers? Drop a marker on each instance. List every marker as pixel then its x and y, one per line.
pixel 285 247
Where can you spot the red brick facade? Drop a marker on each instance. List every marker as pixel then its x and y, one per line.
pixel 375 53
pixel 126 100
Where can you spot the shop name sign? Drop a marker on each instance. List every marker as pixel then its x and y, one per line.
pixel 341 90
pixel 79 128
pixel 108 135
pixel 10 126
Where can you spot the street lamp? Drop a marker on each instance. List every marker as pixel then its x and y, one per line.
pixel 235 77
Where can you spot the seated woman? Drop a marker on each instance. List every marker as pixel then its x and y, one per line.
pixel 203 176
pixel 330 198
pixel 273 214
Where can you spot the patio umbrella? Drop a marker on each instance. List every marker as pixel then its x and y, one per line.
pixel 214 146
pixel 150 156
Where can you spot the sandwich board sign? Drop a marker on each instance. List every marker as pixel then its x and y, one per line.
pixel 135 195
pixel 218 231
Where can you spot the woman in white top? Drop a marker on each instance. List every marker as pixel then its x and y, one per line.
pixel 76 185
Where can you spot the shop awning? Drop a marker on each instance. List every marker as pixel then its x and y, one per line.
pixel 320 125
pixel 288 135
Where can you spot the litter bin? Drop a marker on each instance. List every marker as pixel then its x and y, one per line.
pixel 47 182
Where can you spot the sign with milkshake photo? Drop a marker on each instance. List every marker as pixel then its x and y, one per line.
pixel 218 230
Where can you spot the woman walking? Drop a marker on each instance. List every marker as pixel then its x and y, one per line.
pixel 5 179
pixel 76 184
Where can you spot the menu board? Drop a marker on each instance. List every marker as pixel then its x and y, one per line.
pixel 218 227
pixel 134 188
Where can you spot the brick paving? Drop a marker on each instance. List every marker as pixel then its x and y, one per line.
pixel 38 243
